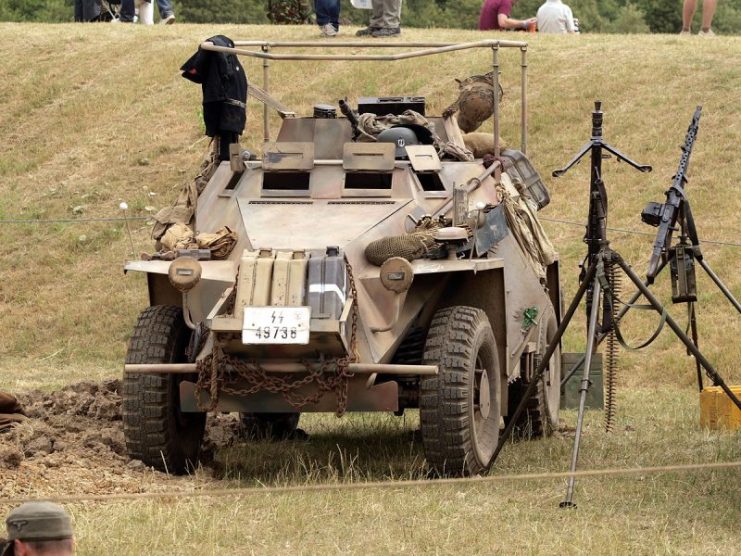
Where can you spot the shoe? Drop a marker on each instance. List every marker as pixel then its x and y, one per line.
pixel 367 32
pixel 168 20
pixel 328 30
pixel 685 32
pixel 708 33
pixel 386 32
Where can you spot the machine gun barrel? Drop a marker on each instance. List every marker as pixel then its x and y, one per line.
pixel 352 117
pixel 674 197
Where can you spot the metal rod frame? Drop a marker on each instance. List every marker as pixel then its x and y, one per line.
pixel 241 48
pixel 356 368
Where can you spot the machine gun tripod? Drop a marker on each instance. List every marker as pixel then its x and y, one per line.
pixel 595 283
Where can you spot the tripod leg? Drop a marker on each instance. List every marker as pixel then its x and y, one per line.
pixel 591 337
pixel 721 285
pixel 691 310
pixel 544 361
pixel 712 373
pixel 619 316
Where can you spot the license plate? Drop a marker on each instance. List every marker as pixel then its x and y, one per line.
pixel 276 325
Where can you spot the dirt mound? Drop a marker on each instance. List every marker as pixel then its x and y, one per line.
pixel 73 442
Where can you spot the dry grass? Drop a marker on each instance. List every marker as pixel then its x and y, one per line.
pixel 92 115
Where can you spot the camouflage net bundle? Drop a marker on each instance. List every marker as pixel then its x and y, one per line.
pixel 409 246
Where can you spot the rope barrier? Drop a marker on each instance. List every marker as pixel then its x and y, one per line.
pixel 121 219
pixel 633 232
pixel 467 482
pixel 70 220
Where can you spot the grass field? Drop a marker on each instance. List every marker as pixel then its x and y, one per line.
pixel 94 115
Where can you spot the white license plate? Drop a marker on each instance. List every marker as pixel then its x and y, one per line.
pixel 276 325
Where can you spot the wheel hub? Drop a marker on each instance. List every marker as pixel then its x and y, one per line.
pixel 484 396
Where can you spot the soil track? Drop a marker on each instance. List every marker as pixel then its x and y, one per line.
pixel 73 442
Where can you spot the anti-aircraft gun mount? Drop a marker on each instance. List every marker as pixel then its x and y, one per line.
pixel 597 279
pixel 366 275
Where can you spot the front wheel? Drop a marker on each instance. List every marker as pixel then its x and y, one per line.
pixel 460 407
pixel 155 429
pixel 540 417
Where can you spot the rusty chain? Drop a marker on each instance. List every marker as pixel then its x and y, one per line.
pixel 213 368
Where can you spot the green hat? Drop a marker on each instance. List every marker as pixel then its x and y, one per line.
pixel 37 521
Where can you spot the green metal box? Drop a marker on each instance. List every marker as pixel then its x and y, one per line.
pixel 570 390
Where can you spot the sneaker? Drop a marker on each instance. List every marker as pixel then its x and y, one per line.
pixel 386 32
pixel 708 33
pixel 168 19
pixel 367 32
pixel 328 30
pixel 685 32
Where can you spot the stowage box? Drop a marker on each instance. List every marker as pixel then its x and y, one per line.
pixel 717 410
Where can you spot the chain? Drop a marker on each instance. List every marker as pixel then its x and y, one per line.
pixel 212 370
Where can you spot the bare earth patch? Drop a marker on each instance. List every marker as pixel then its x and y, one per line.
pixel 73 443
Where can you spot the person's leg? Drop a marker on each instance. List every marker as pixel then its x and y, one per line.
pixel 708 11
pixel 322 12
pixel 127 11
pixel 390 20
pixel 146 12
pixel 167 14
pixel 334 14
pixel 688 12
pixel 376 20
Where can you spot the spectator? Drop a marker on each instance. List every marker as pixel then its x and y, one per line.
pixel 86 10
pixel 495 14
pixel 555 17
pixel 328 16
pixel 688 12
pixel 167 14
pixel 385 19
pixel 39 528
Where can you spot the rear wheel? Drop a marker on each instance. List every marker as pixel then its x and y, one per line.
pixel 540 417
pixel 156 431
pixel 460 407
pixel 269 426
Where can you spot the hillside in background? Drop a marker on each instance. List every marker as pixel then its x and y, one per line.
pixel 93 115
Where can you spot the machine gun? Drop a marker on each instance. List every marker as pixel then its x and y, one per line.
pixel 665 215
pixel 351 116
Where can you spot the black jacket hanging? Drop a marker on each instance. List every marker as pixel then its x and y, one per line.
pixel 224 84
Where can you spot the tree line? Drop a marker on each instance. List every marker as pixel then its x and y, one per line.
pixel 595 16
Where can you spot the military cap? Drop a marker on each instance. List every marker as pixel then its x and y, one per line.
pixel 37 521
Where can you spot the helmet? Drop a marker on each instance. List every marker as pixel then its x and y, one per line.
pixel 402 136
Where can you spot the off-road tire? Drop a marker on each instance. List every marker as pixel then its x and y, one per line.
pixel 269 426
pixel 458 438
pixel 540 417
pixel 155 429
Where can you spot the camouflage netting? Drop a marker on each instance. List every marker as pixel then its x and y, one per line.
pixel 475 102
pixel 370 125
pixel 409 246
pixel 522 220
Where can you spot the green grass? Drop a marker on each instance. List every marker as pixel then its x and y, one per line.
pixel 96 114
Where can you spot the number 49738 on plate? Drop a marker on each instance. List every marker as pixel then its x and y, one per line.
pixel 276 325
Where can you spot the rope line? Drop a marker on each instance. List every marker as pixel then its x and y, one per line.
pixel 121 219
pixel 467 481
pixel 71 220
pixel 634 232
